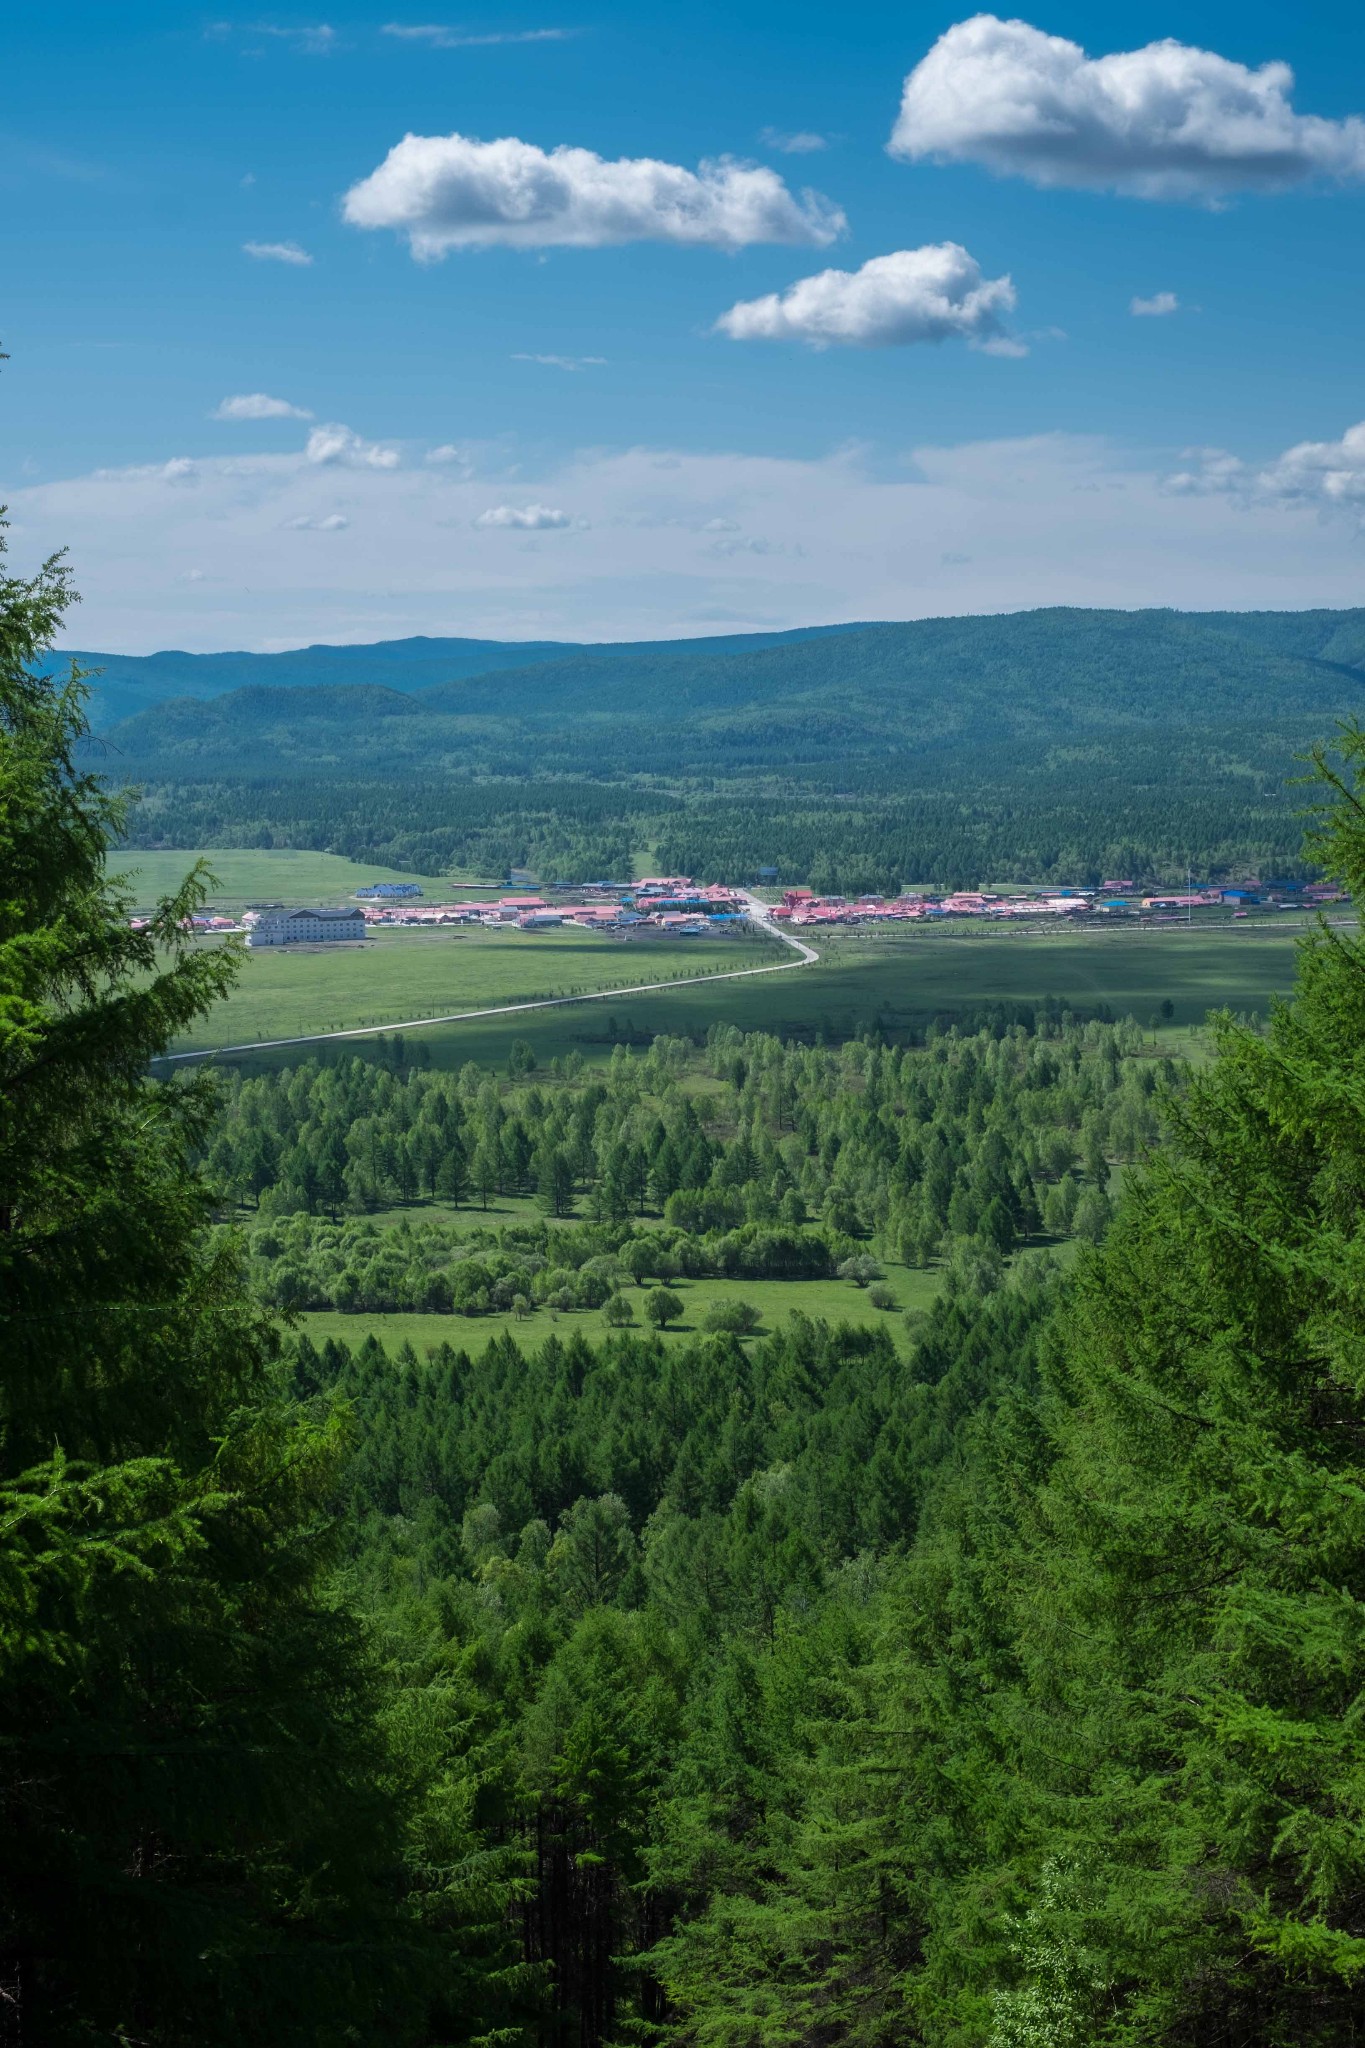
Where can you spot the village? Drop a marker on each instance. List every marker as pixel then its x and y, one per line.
pixel 675 906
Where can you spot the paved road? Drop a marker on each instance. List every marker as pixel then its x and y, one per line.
pixel 758 912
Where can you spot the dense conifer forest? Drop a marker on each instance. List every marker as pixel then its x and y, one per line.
pixel 994 1682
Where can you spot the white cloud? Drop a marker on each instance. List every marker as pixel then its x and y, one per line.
pixel 1164 122
pixel 1326 475
pixel 560 362
pixel 310 39
pixel 924 294
pixel 303 522
pixel 1155 308
pixel 450 192
pixel 449 455
pixel 437 36
pixel 278 252
pixel 798 142
pixel 181 469
pixel 858 533
pixel 256 405
pixel 524 518
pixel 338 444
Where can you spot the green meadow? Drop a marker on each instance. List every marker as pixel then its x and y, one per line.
pixel 833 1301
pixel 251 875
pixel 398 975
pixel 899 981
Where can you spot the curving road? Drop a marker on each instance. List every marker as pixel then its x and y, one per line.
pixel 759 914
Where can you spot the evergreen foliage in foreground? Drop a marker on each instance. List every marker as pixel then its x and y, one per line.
pixel 221 1824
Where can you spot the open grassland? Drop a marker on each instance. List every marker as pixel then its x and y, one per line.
pixel 248 875
pixel 397 975
pixel 900 980
pixel 834 1301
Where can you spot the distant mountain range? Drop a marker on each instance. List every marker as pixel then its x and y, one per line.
pixel 129 683
pixel 917 702
pixel 1043 744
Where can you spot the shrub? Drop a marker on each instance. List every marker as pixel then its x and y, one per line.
pixel 861 1269
pixel 740 1318
pixel 881 1296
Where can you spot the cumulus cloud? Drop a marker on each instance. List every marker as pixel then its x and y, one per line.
pixel 278 252
pixel 338 444
pixel 257 405
pixel 559 362
pixel 438 36
pixel 1326 475
pixel 927 294
pixel 450 455
pixel 449 192
pixel 524 518
pixel 1155 308
pixel 1164 122
pixel 797 142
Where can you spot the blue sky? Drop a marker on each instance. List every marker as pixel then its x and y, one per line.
pixel 963 444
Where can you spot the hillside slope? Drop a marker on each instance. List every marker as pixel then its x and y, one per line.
pixel 935 697
pixel 124 684
pixel 1048 744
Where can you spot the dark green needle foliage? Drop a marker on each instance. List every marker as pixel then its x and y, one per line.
pixel 217 1826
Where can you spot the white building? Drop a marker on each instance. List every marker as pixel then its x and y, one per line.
pixel 305 927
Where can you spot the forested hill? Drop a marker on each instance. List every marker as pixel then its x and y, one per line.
pixel 1057 743
pixel 1044 676
pixel 124 684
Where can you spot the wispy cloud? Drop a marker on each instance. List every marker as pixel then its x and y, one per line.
pixel 333 522
pixel 438 36
pixel 1155 308
pixel 308 39
pixel 21 159
pixel 278 252
pixel 1051 520
pixel 560 362
pixel 797 142
pixel 449 192
pixel 258 405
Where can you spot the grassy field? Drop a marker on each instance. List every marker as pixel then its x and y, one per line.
pixel 775 1300
pixel 897 980
pixel 287 991
pixel 892 979
pixel 246 875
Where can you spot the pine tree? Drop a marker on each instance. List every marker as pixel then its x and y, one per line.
pixel 205 1823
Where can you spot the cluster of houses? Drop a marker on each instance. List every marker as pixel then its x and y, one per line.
pixel 670 904
pixel 676 906
pixel 1113 899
